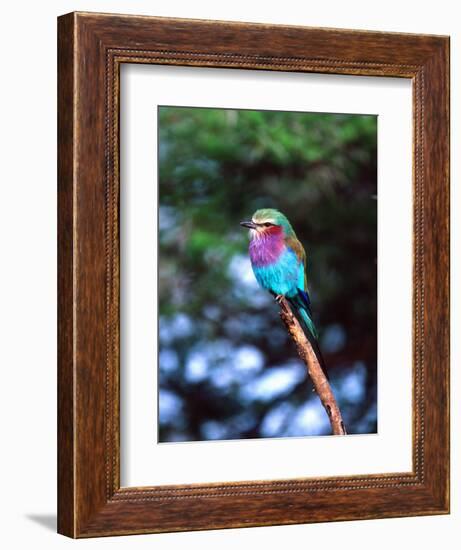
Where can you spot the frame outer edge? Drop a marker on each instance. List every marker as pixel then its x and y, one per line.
pixel 65 170
pixel 437 265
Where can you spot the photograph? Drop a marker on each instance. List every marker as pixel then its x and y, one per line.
pixel 255 206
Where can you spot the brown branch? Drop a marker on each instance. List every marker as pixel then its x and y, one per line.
pixel 320 381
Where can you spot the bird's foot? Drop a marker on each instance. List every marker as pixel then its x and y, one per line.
pixel 279 298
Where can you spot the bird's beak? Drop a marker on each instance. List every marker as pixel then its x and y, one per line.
pixel 249 224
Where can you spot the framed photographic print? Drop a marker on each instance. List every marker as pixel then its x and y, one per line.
pixel 253 275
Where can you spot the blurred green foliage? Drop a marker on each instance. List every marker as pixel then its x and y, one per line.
pixel 221 341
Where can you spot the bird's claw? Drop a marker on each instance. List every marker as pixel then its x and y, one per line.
pixel 279 298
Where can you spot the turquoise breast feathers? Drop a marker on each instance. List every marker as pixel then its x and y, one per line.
pixel 283 276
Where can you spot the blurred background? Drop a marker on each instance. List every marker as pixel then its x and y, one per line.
pixel 227 369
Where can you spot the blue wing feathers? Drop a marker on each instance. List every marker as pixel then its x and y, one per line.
pixel 305 298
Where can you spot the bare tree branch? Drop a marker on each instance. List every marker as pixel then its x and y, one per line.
pixel 320 381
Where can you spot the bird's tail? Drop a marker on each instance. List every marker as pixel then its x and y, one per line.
pixel 302 310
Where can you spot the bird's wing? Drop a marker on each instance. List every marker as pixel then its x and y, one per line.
pixel 298 249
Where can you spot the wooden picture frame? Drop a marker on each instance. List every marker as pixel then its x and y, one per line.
pixel 91 48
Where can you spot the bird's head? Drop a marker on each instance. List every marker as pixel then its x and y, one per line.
pixel 268 221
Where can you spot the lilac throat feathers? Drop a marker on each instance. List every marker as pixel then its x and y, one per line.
pixel 266 249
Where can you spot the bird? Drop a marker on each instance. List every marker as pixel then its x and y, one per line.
pixel 278 260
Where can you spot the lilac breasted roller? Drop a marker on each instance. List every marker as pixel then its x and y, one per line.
pixel 278 260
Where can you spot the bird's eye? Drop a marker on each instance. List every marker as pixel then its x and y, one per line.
pixel 268 224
